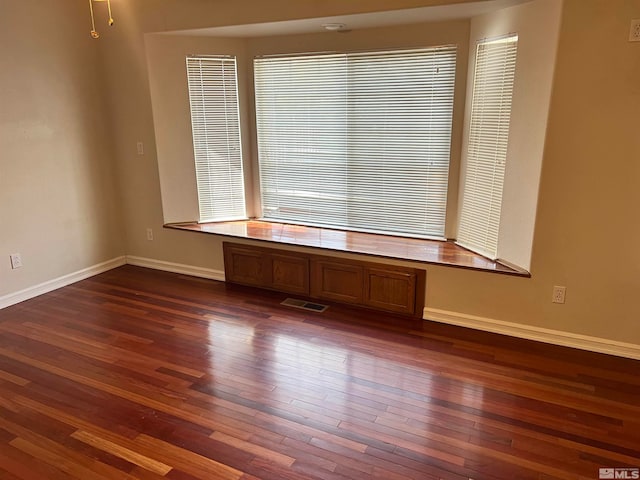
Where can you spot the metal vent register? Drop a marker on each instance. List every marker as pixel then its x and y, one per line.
pixel 304 305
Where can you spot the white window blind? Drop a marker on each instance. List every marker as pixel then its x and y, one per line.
pixel 215 121
pixel 487 147
pixel 358 141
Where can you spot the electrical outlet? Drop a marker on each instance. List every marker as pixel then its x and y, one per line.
pixel 140 147
pixel 559 294
pixel 16 260
pixel 634 33
pixel 149 234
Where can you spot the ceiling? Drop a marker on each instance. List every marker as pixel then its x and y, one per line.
pixel 356 21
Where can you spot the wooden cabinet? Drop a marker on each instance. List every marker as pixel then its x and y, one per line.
pixel 374 285
pixel 390 288
pixel 266 268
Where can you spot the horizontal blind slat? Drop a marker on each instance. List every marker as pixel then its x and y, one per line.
pixel 487 148
pixel 357 141
pixel 215 122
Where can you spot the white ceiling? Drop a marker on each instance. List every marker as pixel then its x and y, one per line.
pixel 357 21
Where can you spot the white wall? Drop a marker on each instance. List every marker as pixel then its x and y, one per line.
pixel 58 202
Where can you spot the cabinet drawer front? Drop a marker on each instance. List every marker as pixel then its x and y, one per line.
pixel 337 281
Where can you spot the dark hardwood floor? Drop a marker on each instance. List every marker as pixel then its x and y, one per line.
pixel 143 374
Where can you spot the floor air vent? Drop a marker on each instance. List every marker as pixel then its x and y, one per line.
pixel 304 305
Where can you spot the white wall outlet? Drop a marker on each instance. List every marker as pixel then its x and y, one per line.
pixel 559 294
pixel 140 147
pixel 149 234
pixel 634 33
pixel 16 260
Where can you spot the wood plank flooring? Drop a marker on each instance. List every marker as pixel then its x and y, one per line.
pixel 139 374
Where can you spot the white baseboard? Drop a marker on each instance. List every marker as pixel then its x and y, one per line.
pixel 176 268
pixel 50 285
pixel 555 337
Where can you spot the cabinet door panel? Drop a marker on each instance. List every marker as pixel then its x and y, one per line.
pixel 290 273
pixel 391 290
pixel 247 266
pixel 337 281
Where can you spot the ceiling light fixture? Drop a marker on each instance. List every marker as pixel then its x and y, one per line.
pixel 94 32
pixel 334 27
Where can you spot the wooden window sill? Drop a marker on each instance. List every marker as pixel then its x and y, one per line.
pixel 434 252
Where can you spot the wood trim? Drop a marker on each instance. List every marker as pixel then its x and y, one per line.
pixel 434 252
